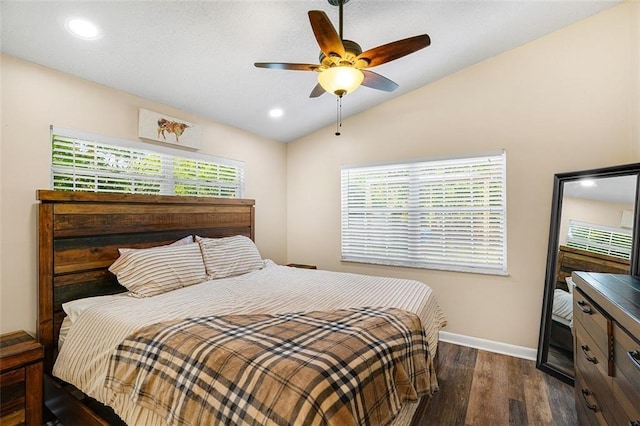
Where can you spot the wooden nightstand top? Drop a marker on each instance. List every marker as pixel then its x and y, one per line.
pixel 17 349
pixel 301 265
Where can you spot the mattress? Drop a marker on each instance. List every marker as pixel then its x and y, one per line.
pixel 83 359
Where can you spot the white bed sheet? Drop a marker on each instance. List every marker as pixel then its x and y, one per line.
pixel 83 359
pixel 563 307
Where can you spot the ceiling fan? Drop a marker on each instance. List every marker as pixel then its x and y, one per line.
pixel 343 65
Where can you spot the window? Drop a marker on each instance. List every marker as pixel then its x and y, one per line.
pixel 600 239
pixel 442 214
pixel 83 162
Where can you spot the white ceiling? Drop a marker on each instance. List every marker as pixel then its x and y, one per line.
pixel 619 189
pixel 198 56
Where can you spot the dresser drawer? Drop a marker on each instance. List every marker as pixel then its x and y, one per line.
pixel 586 314
pixel 12 400
pixel 626 387
pixel 588 406
pixel 593 367
pixel 589 358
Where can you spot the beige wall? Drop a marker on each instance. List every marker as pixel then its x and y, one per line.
pixel 558 104
pixel 33 98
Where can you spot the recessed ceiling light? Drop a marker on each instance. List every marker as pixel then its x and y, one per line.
pixel 276 113
pixel 587 183
pixel 82 28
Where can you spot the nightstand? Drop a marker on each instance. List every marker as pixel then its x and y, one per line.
pixel 20 379
pixel 300 265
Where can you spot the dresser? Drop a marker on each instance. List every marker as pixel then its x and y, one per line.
pixel 606 315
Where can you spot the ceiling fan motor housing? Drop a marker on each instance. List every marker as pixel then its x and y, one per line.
pixel 351 49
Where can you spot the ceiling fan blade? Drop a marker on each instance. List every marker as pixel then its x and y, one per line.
pixel 286 66
pixel 326 35
pixel 376 81
pixel 317 91
pixel 394 50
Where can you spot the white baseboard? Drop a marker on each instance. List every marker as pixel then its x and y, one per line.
pixel 489 345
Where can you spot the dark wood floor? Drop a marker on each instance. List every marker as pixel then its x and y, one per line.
pixel 484 388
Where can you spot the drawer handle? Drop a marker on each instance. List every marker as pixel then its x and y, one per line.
pixel 584 308
pixel 592 359
pixel 635 357
pixel 585 394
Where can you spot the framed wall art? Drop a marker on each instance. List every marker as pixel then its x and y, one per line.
pixel 158 127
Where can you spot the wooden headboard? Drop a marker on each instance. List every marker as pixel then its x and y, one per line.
pixel 79 234
pixel 573 259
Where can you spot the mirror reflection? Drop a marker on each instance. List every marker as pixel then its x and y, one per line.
pixel 593 229
pixel 595 235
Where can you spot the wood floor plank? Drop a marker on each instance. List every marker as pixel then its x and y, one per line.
pixel 489 389
pixel 537 400
pixel 516 367
pixel 455 373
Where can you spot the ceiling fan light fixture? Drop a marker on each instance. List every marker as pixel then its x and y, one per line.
pixel 340 80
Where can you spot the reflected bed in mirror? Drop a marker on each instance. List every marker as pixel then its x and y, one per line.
pixel 593 228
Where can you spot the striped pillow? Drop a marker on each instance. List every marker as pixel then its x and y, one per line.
pixel 181 242
pixel 153 271
pixel 229 256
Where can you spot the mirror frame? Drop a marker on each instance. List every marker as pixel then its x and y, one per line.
pixel 554 245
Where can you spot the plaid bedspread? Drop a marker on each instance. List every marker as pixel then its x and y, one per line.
pixel 344 367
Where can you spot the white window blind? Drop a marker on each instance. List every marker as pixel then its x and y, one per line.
pixel 84 162
pixel 443 214
pixel 600 239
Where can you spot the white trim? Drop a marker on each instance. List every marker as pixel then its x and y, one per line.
pixel 489 345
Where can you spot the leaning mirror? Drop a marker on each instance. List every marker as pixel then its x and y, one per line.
pixel 594 227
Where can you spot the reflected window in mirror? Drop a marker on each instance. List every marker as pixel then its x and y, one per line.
pixel 600 239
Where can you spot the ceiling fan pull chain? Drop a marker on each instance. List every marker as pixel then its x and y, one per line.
pixel 338 114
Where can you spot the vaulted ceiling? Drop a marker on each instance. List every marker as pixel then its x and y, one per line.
pixel 198 56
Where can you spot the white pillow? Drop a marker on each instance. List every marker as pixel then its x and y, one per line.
pixel 562 304
pixel 229 256
pixel 75 308
pixel 148 272
pixel 181 242
pixel 570 284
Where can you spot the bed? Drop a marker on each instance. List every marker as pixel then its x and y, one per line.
pixel 80 235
